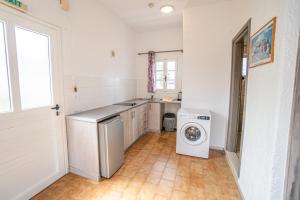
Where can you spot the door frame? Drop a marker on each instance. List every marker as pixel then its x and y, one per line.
pixel 7 13
pixel 234 90
pixel 294 129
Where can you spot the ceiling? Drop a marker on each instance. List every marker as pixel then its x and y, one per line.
pixel 140 17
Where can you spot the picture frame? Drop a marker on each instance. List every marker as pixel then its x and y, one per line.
pixel 262 45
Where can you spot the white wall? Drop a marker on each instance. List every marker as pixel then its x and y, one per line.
pixel 208 31
pixel 159 40
pixel 101 79
pixel 207 34
pixel 291 27
pixel 89 33
pixel 261 110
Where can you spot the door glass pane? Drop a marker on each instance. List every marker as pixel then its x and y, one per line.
pixel 33 54
pixel 5 100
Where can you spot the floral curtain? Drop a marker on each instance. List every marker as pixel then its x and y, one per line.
pixel 151 65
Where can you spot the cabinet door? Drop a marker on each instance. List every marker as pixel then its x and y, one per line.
pixel 135 123
pixel 154 117
pixel 126 121
pixel 143 119
pixel 139 119
pixel 145 122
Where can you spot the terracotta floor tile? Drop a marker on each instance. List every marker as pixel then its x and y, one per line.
pixel 182 183
pixel 159 166
pixel 165 188
pixel 179 195
pixel 132 190
pixel 147 191
pixel 140 177
pixel 112 195
pixel 169 174
pixel 160 197
pixel 153 171
pixel 167 183
pixel 154 177
pixel 172 163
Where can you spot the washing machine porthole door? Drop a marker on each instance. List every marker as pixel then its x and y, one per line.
pixel 193 134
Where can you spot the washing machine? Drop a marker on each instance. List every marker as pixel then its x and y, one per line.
pixel 193 132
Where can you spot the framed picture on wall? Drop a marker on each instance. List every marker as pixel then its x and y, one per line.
pixel 262 45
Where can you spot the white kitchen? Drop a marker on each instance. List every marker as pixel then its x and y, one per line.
pixel 149 99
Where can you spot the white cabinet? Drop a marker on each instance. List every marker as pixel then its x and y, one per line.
pixel 126 117
pixel 135 124
pixel 154 117
pixel 130 121
pixel 83 149
pixel 142 119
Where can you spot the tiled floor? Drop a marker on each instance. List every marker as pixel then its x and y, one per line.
pixel 153 170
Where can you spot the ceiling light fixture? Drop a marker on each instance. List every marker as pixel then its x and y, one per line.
pixel 167 9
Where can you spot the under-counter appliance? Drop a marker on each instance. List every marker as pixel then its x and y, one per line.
pixel 111 146
pixel 193 132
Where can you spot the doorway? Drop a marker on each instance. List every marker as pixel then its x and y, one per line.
pixel 239 73
pixel 32 141
pixel 293 179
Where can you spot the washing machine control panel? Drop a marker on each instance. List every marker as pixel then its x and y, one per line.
pixel 200 117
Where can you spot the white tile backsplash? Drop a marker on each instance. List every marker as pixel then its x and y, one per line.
pixel 96 91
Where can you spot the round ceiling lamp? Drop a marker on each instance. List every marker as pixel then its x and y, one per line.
pixel 167 9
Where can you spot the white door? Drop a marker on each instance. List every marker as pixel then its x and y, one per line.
pixel 32 140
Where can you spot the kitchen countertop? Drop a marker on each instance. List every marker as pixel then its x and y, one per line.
pixel 103 113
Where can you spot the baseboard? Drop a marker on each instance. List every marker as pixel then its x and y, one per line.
pixel 40 186
pixel 153 131
pixel 219 148
pixel 233 171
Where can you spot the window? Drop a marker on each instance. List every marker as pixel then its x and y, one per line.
pixel 165 75
pixel 5 97
pixel 34 68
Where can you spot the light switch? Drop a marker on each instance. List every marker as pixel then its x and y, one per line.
pixel 113 54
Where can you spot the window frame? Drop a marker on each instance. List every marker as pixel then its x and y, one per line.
pixel 165 74
pixel 8 67
pixel 11 21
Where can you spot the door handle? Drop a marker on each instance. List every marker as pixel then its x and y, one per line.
pixel 56 108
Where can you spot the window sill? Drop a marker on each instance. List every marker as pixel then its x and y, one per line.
pixel 166 92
